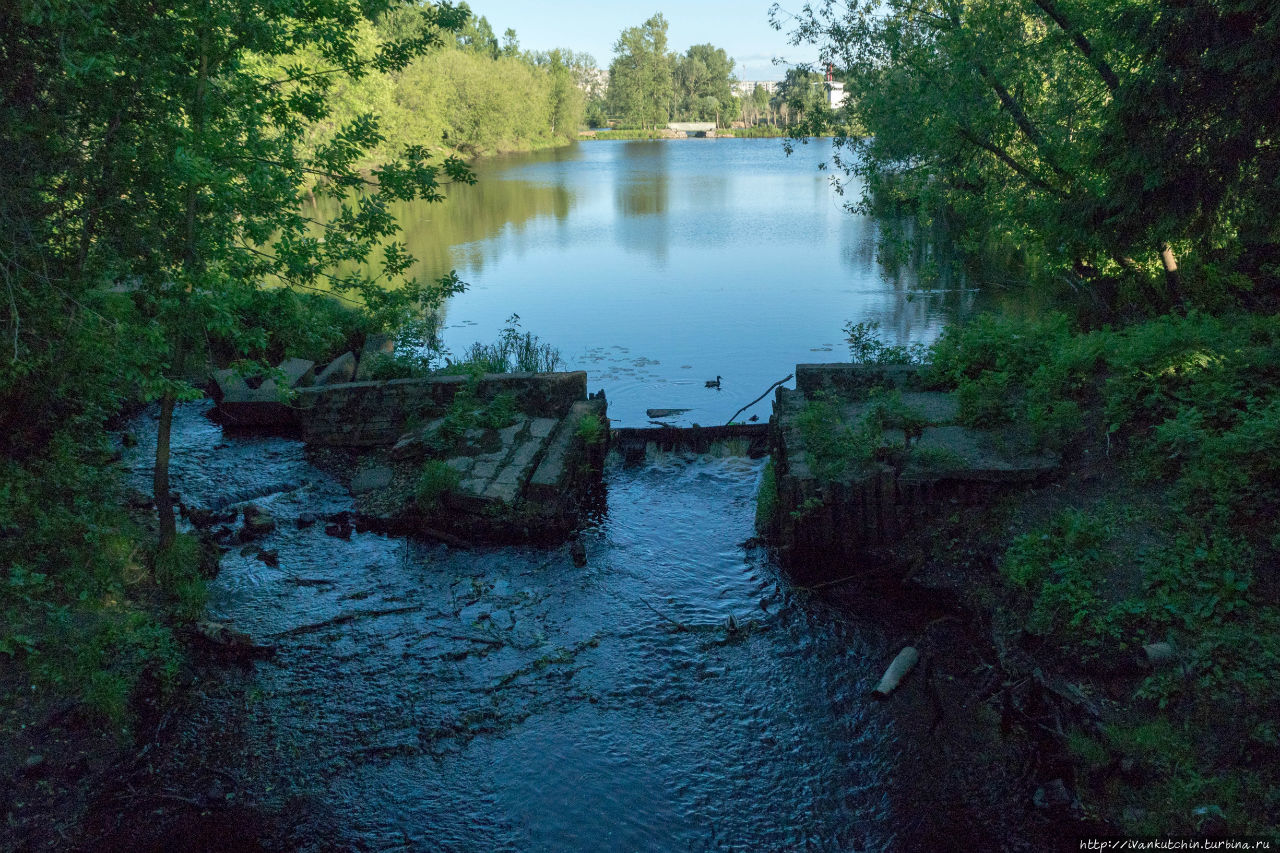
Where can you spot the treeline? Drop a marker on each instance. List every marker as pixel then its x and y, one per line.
pixel 1124 149
pixel 650 85
pixel 476 95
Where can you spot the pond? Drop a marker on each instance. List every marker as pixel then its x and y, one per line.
pixel 659 265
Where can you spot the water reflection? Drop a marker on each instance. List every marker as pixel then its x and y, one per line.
pixel 656 265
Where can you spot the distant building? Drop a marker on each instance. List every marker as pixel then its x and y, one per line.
pixel 836 95
pixel 746 88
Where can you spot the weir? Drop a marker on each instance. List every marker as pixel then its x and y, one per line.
pixel 862 455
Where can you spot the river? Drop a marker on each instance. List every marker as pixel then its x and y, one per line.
pixel 659 265
pixel 680 692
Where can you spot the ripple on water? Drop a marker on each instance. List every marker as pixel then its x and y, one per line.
pixel 500 699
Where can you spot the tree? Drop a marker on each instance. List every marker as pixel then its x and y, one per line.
pixel 640 87
pixel 177 172
pixel 703 84
pixel 1086 134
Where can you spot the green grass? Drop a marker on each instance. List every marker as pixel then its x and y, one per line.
pixel 767 501
pixel 435 481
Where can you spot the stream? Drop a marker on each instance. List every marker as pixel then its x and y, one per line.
pixel 431 698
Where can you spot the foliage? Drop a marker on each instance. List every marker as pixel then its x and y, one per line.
pixel 591 430
pixel 1040 128
pixel 436 480
pixel 866 346
pixel 835 450
pixel 640 87
pixel 75 599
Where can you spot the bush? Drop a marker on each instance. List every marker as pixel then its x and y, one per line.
pixel 436 480
pixel 590 430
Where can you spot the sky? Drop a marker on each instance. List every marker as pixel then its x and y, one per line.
pixel 741 27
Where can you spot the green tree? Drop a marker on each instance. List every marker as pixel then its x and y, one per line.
pixel 1100 140
pixel 178 176
pixel 703 79
pixel 640 86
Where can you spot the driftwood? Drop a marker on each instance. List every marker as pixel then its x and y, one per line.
pixel 786 378
pixel 897 671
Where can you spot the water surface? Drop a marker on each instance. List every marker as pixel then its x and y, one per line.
pixel 658 265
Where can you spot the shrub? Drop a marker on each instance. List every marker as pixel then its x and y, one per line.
pixel 436 480
pixel 590 430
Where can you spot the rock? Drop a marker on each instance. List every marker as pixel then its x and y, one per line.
pixel 341 369
pixel 578 552
pixel 271 558
pixel 377 349
pixel 368 479
pixel 224 638
pixel 1052 795
pixel 902 664
pixel 1159 655
pixel 338 529
pixel 307 519
pixel 259 522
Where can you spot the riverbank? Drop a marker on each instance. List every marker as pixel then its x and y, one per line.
pixel 663 133
pixel 1123 614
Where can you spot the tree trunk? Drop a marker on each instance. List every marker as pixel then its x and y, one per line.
pixel 1172 278
pixel 164 502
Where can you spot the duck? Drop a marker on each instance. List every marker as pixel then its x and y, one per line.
pixel 713 383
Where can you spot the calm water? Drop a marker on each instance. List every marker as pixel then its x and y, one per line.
pixel 657 265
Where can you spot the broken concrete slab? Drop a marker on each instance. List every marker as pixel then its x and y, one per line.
pixel 378 349
pixel 341 369
pixel 297 372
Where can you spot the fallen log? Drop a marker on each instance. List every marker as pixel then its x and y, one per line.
pixel 902 664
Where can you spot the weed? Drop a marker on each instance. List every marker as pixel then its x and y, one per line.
pixel 590 430
pixel 436 480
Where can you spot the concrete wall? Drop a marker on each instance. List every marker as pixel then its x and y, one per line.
pixel 371 414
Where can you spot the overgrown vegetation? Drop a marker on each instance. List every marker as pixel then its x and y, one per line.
pixel 1186 407
pixel 436 480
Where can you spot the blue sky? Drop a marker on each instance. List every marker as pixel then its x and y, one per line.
pixel 741 27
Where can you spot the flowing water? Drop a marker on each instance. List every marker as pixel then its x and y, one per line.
pixel 677 693
pixel 501 699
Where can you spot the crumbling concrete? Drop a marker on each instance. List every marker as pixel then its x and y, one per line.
pixel 825 523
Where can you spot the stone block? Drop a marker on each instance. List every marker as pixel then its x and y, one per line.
pixel 854 381
pixel 341 370
pixel 377 348
pixel 498 490
pixel 542 427
pixel 368 479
